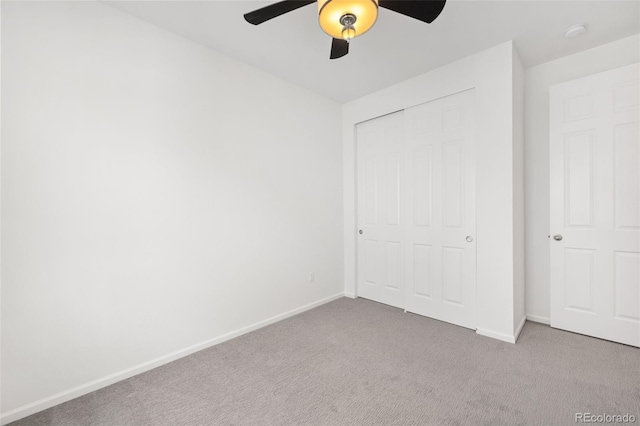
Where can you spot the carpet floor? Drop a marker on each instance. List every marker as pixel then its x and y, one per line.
pixel 356 362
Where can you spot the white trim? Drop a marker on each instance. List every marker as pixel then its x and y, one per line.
pixel 349 295
pixel 539 319
pixel 503 336
pixel 64 396
pixel 519 329
pixel 496 335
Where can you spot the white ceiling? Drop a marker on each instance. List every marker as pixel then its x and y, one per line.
pixel 294 48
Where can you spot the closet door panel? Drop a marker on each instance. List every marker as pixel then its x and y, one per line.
pixel 439 238
pixel 380 214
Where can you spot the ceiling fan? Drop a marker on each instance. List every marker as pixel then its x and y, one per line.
pixel 345 19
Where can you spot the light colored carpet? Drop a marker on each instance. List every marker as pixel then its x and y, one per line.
pixel 356 362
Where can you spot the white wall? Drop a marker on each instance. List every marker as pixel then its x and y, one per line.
pixel 538 79
pixel 1 377
pixel 518 195
pixel 155 197
pixel 490 73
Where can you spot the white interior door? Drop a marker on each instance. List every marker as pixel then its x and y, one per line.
pixel 440 248
pixel 379 168
pixel 595 205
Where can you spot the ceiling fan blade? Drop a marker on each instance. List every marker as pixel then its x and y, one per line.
pixel 274 10
pixel 339 48
pixel 423 10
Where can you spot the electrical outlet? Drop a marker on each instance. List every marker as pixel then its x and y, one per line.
pixel 312 276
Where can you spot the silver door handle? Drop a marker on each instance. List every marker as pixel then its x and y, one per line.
pixel 360 232
pixel 469 238
pixel 557 237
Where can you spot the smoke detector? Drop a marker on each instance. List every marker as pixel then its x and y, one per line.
pixel 575 31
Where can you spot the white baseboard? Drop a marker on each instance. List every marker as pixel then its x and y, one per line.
pixel 59 398
pixel 538 318
pixel 503 336
pixel 349 295
pixel 519 329
pixel 496 335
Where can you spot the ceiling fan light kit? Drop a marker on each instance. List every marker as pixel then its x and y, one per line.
pixel 335 16
pixel 344 20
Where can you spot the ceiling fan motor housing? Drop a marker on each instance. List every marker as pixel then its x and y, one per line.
pixel 335 15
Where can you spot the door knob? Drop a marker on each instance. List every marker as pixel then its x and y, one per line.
pixel 557 237
pixel 360 232
pixel 469 238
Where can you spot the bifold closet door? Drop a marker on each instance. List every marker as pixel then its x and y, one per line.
pixel 595 205
pixel 439 238
pixel 379 210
